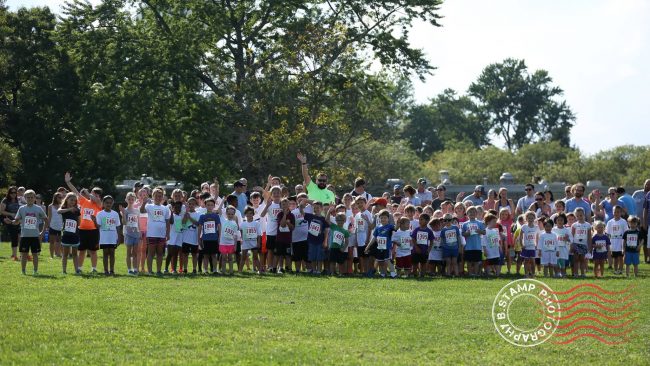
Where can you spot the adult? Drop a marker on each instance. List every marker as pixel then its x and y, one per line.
pixel 440 197
pixel 540 207
pixel 299 188
pixel 504 202
pixel 397 196
pixel 578 191
pixel 422 193
pixel 607 204
pixel 360 189
pixel 639 197
pixel 477 197
pixel 627 200
pixel 240 193
pixel 410 196
pixel 244 181
pixel 568 193
pixel 645 218
pixel 90 204
pixel 549 199
pixel 524 202
pixel 490 202
pixel 316 191
pixel 8 209
pixel 21 196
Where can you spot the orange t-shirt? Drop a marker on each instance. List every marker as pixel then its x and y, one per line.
pixel 88 209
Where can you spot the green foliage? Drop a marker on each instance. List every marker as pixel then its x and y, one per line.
pixel 9 164
pixel 521 107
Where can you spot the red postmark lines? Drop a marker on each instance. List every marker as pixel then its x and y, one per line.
pixel 589 311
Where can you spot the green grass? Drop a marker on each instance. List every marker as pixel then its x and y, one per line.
pixel 57 319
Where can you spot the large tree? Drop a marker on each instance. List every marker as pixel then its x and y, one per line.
pixel 521 107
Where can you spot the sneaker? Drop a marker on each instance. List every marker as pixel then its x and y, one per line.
pixel 78 272
pixel 106 273
pixel 64 272
pixel 278 271
pixel 111 273
pixel 159 273
pixel 14 258
pixel 24 272
pixel 35 273
pixel 94 271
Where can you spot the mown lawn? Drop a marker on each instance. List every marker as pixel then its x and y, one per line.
pixel 91 319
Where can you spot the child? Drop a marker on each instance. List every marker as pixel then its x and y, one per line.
pixel 209 232
pixel 423 237
pixel 564 240
pixel 252 238
pixel 570 220
pixel 516 228
pixel 230 234
pixel 107 221
pixel 528 239
pixel 190 235
pixel 157 229
pixel 337 243
pixel 472 231
pixel 633 242
pixel 300 233
pixel 56 225
pixel 90 205
pixel 271 212
pixel 381 241
pixel 131 231
pixel 403 244
pixel 363 222
pixel 318 228
pixel 549 252
pixel 581 231
pixel 28 217
pixel 286 224
pixel 451 245
pixel 70 239
pixel 436 261
pixel 175 242
pixel 615 228
pixel 493 245
pixel 505 220
pixel 600 244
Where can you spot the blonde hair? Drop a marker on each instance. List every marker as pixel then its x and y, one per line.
pixel 64 202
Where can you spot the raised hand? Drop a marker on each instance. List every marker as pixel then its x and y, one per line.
pixel 67 177
pixel 302 157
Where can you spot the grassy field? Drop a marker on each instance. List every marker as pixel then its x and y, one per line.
pixel 248 319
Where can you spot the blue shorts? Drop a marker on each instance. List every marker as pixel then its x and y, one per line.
pixel 131 240
pixel 315 253
pixel 449 252
pixel 631 258
pixel 528 253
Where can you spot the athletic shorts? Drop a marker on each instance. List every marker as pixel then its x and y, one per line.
pixel 449 252
pixel 270 243
pixel 631 258
pixel 336 255
pixel 107 246
pixel 473 256
pixel 299 250
pixel 89 240
pixel 616 253
pixel 54 232
pixel 30 243
pixel 419 257
pixel 189 248
pixel 226 249
pixel 70 245
pixel 599 256
pixel 131 240
pixel 280 248
pixel 361 252
pixel 580 249
pixel 549 258
pixel 210 247
pixel 249 244
pixel 436 262
pixel 493 261
pixel 380 255
pixel 528 253
pixel 156 242
pixel 316 253
pixel 404 262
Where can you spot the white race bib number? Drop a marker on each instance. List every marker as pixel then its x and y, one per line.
pixel 210 227
pixel 423 238
pixel 109 224
pixel 601 246
pixel 493 240
pixel 30 222
pixel 548 244
pixel 284 229
pixel 338 238
pixel 274 213
pixel 132 221
pixel 251 233
pixel 632 240
pixel 381 243
pixel 70 226
pixel 405 243
pixel 230 232
pixel 157 215
pixel 88 213
pixel 581 235
pixel 314 228
pixel 450 237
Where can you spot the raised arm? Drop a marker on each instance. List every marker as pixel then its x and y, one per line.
pixel 305 170
pixel 68 182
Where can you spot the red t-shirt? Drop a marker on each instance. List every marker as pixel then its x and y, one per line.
pixel 284 233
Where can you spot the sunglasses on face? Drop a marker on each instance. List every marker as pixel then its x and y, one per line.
pixel 322 181
pixel 539 199
pixel 528 189
pixel 13 192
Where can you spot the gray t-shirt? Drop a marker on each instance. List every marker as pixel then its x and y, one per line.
pixel 476 201
pixel 30 217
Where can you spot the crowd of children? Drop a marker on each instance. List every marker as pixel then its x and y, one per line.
pixel 276 232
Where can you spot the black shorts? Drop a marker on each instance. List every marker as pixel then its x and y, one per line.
pixel 379 254
pixel 494 261
pixel 54 232
pixel 338 256
pixel 299 249
pixel 27 244
pixel 270 243
pixel 617 254
pixel 538 261
pixel 189 248
pixel 280 247
pixel 473 256
pixel 440 263
pixel 419 258
pixel 107 246
pixel 89 239
pixel 210 247
pixel 361 252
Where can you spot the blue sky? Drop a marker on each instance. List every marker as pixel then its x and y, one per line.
pixel 596 50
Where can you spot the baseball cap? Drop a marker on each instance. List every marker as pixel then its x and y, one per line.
pixel 381 202
pixel 397 186
pixel 137 185
pixel 479 188
pixel 238 184
pixel 422 181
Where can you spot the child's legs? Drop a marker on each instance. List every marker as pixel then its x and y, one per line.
pixel 64 259
pixel 52 241
pixel 160 252
pixel 151 250
pixel 105 258
pixel 111 253
pixel 35 261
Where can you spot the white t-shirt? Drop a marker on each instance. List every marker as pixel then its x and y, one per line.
pixel 581 232
pixel 492 243
pixel 272 218
pixel 108 223
pixel 176 231
pixel 300 231
pixel 548 241
pixel 230 233
pixel 564 236
pixel 402 239
pixel 258 216
pixel 616 229
pixel 436 251
pixel 157 217
pixel 529 237
pixel 362 226
pixel 250 231
pixel 191 233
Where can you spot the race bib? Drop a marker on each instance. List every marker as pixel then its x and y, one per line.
pixel 473 228
pixel 88 213
pixel 314 228
pixel 132 221
pixel 581 235
pixel 405 243
pixel 229 232
pixel 493 240
pixel 338 238
pixel 422 238
pixel 30 222
pixel 178 225
pixel 70 226
pixel 251 233
pixel 529 240
pixel 157 215
pixel 381 243
pixel 548 244
pixel 108 224
pixel 632 240
pixel 601 246
pixel 210 227
pixel 274 213
pixel 361 224
pixel 284 229
pixel 437 241
pixel 450 237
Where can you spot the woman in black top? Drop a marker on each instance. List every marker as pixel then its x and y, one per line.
pixel 8 208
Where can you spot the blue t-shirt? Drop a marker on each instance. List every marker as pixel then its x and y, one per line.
pixel 473 242
pixel 574 203
pixel 242 201
pixel 210 225
pixel 597 240
pixel 316 226
pixel 629 203
pixel 609 210
pixel 450 236
pixel 383 234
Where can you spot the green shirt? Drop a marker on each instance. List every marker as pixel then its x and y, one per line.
pixel 337 236
pixel 317 194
